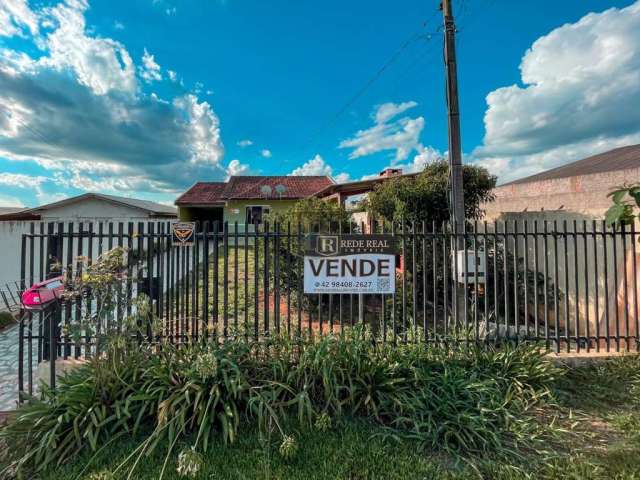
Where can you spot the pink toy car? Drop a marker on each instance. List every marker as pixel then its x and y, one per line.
pixel 40 295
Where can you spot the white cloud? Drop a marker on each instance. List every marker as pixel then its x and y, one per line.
pixel 173 76
pixel 424 157
pixel 14 117
pixel 244 143
pixel 21 180
pixel 118 25
pixel 401 135
pixel 387 111
pixel 204 132
pixel 150 70
pixel 317 166
pixel 101 64
pixel 266 153
pixel 79 113
pixel 580 96
pixel 235 167
pixel 15 16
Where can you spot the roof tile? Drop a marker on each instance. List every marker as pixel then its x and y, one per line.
pixel 253 187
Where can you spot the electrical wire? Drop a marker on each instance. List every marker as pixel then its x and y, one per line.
pixel 419 35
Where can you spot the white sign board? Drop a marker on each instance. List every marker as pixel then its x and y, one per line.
pixel 475 263
pixel 358 273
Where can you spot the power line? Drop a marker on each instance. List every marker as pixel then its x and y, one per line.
pixel 370 82
pixel 37 133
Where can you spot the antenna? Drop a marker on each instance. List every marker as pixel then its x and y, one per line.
pixel 266 191
pixel 280 189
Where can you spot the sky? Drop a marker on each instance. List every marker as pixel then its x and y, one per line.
pixel 144 98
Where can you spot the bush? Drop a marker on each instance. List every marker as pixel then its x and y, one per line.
pixel 468 401
pixel 6 319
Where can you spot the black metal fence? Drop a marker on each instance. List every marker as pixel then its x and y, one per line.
pixel 569 285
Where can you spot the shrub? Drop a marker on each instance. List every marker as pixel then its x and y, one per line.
pixel 6 319
pixel 467 400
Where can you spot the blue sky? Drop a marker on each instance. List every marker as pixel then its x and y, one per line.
pixel 145 97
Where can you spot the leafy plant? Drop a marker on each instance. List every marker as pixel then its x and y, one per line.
pixel 426 197
pixel 626 200
pixel 468 400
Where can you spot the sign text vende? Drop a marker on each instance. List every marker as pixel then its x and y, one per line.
pixel 359 273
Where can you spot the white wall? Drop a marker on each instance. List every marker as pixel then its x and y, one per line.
pixel 10 240
pixel 91 210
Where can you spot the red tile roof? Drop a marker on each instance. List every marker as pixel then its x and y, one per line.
pixel 253 187
pixel 203 193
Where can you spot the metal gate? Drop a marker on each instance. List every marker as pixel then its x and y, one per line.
pixel 567 285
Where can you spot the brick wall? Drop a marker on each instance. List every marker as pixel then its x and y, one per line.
pixel 584 194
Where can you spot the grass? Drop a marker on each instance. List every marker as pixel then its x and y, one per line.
pixel 348 452
pixel 596 415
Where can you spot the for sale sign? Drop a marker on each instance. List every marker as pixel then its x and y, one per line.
pixel 360 273
pixel 350 264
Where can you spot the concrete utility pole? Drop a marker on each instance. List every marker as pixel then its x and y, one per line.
pixel 456 192
pixel 455 148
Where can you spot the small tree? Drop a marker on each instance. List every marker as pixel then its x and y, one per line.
pixel 426 196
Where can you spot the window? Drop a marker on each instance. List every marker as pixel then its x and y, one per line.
pixel 256 213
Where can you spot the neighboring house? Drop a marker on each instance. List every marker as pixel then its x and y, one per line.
pixel 95 207
pixel 350 194
pixel 246 199
pixel 89 207
pixel 577 190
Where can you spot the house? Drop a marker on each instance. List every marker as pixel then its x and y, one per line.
pixel 577 190
pixel 350 194
pixel 246 199
pixel 89 207
pixel 92 207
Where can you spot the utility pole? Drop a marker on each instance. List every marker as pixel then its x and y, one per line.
pixel 455 148
pixel 456 192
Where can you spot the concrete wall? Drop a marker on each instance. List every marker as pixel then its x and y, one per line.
pixel 584 194
pixel 579 199
pixel 10 241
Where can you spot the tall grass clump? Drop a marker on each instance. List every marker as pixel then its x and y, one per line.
pixel 466 401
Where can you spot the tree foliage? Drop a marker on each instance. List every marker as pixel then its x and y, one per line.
pixel 426 196
pixel 313 214
pixel 625 199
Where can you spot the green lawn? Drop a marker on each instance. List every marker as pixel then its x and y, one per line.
pixel 240 300
pixel 598 438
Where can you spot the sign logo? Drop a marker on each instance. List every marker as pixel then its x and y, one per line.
pixel 183 233
pixel 350 244
pixel 327 245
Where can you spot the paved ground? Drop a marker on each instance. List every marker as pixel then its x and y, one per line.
pixel 8 368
